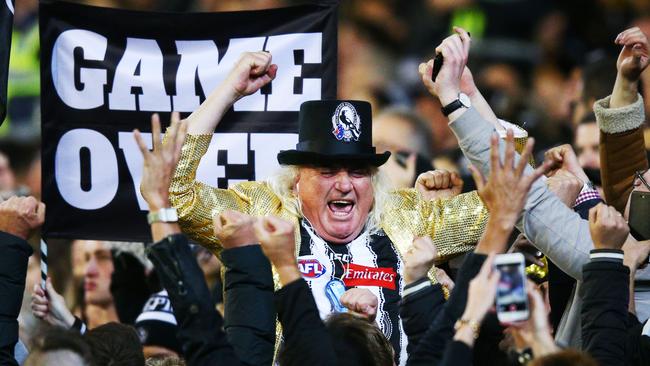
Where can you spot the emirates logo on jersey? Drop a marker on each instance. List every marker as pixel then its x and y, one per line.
pixel 358 275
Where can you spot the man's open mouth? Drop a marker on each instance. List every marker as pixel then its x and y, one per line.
pixel 341 207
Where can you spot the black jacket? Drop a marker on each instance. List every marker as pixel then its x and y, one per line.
pixel 305 336
pixel 419 309
pixel 436 346
pixel 605 296
pixel 431 347
pixel 200 325
pixel 14 254
pixel 249 311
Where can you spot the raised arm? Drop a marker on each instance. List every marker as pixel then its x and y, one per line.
pixel 620 117
pixel 196 202
pixel 555 229
pixel 250 73
pixel 199 324
pixel 467 84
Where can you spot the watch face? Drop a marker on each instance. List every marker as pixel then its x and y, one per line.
pixel 464 99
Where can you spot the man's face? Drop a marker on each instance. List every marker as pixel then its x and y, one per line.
pixel 391 133
pixel 336 201
pixel 97 274
pixel 587 145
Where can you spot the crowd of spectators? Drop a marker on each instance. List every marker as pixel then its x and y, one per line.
pixel 568 73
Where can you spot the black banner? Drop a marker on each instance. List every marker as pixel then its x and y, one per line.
pixel 6 25
pixel 105 71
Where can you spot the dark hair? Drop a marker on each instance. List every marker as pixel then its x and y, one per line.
pixel 598 78
pixel 359 340
pixel 588 118
pixel 355 340
pixel 567 357
pixel 115 344
pixel 58 340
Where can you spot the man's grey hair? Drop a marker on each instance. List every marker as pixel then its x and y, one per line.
pixel 283 183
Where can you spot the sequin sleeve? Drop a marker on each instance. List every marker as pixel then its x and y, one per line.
pixel 455 224
pixel 197 202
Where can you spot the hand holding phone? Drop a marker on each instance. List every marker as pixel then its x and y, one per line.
pixel 437 63
pixel 480 297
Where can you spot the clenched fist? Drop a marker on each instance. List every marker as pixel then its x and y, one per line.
pixel 234 229
pixel 566 186
pixel 437 184
pixel 20 216
pixel 361 301
pixel 278 244
pixel 564 158
pixel 607 227
pixel 277 238
pixel 253 71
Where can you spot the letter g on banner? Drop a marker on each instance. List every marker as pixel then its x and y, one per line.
pixel 104 178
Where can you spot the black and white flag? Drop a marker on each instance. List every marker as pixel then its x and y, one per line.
pixel 6 25
pixel 105 71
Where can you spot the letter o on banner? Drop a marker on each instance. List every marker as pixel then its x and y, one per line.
pixel 104 179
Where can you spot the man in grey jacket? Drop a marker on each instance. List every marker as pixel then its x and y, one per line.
pixel 548 223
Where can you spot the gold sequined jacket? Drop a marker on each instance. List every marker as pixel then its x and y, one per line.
pixel 454 224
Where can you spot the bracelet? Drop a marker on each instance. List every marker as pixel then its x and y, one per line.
pixel 474 326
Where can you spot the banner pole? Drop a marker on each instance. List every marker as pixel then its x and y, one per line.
pixel 43 263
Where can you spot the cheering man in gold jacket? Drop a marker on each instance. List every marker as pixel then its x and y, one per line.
pixel 351 230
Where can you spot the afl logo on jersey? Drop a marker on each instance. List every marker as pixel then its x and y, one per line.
pixel 310 267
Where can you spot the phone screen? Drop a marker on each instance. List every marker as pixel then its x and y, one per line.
pixel 511 290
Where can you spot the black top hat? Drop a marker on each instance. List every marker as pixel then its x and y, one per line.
pixel 334 132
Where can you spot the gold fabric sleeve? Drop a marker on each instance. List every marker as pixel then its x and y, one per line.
pixel 197 202
pixel 455 224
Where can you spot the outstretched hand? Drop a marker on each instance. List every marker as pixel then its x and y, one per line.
pixel 253 71
pixel 159 164
pixel 482 291
pixel 504 192
pixel 633 58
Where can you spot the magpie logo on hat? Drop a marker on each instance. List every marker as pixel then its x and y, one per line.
pixel 346 123
pixel 332 132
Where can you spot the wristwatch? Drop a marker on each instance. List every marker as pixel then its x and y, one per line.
pixel 162 215
pixel 462 101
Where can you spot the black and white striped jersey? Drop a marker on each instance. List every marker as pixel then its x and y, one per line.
pixel 369 261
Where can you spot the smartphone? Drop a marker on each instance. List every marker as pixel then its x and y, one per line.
pixel 639 217
pixel 512 299
pixel 437 65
